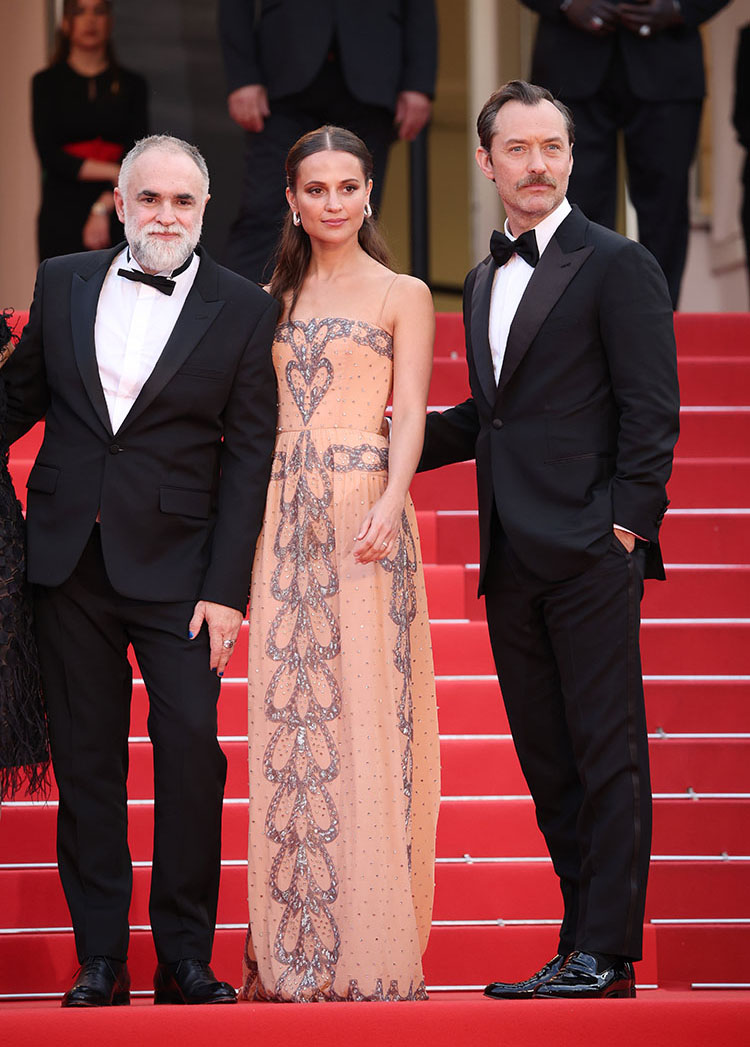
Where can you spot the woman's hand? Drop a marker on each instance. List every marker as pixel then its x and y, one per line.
pixel 377 536
pixel 96 232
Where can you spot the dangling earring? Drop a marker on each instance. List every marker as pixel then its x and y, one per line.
pixel 368 210
pixel 296 220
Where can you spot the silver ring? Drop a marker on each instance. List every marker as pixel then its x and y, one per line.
pixel 227 645
pixel 596 22
pixel 645 30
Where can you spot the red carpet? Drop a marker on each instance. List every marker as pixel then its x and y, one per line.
pixel 497 899
pixel 461 1020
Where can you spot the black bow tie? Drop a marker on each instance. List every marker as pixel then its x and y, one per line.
pixel 165 284
pixel 502 247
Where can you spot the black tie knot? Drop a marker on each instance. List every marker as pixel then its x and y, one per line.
pixel 165 284
pixel 161 283
pixel 502 248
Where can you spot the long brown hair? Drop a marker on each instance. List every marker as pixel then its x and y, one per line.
pixel 61 48
pixel 293 251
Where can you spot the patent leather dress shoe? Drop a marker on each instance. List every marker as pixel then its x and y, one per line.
pixel 525 990
pixel 100 982
pixel 190 981
pixel 583 976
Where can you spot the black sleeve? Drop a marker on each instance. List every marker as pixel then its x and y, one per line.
pixel 420 47
pixel 137 111
pixel 695 12
pixel 46 131
pixel 25 373
pixel 741 114
pixel 238 40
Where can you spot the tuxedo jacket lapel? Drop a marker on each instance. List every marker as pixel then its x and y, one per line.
pixel 480 317
pixel 84 296
pixel 198 313
pixel 559 263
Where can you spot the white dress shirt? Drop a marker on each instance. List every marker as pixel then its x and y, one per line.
pixel 510 282
pixel 133 323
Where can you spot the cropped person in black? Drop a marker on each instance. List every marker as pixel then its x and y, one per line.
pixel 87 111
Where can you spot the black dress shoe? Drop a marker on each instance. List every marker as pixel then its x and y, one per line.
pixel 100 982
pixel 587 978
pixel 190 981
pixel 525 990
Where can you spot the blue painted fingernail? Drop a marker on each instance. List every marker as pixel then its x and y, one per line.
pixel 190 635
pixel 221 674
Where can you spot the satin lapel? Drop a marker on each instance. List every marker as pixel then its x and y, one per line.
pixel 84 296
pixel 480 320
pixel 552 275
pixel 196 317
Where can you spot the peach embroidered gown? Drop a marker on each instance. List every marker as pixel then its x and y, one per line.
pixel 343 742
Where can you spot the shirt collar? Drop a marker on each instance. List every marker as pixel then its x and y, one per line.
pixel 546 229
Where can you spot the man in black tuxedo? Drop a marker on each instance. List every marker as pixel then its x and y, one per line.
pixel 572 419
pixel 144 506
pixel 293 65
pixel 637 68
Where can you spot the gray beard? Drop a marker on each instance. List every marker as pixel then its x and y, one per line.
pixel 158 257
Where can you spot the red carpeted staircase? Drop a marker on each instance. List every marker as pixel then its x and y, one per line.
pixel 497 903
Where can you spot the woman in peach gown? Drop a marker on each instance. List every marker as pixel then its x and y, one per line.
pixel 343 742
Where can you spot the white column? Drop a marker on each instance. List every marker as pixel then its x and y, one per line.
pixel 483 38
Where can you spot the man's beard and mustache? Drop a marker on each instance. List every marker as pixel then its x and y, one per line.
pixel 156 255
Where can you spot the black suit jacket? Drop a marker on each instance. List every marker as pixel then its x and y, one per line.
pixel 385 46
pixel 181 485
pixel 667 66
pixel 579 431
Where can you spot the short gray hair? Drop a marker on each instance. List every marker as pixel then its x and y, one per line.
pixel 169 144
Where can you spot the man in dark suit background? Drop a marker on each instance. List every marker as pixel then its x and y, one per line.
pixel 637 68
pixel 572 419
pixel 292 66
pixel 741 120
pixel 144 506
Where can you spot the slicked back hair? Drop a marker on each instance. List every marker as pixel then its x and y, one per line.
pixel 526 94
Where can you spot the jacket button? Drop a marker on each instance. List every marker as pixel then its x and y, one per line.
pixel 114 448
pixel 497 423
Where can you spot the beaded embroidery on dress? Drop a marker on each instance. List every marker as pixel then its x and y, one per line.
pixel 343 743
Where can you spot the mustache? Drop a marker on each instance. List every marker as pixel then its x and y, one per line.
pixel 537 179
pixel 157 227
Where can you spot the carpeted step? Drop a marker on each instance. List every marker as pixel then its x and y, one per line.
pixel 482 765
pixel 702 590
pixel 448 1019
pixel 696 482
pixel 473 705
pixel 687 535
pixel 480 827
pixel 704 381
pixel 461 955
pixel 464 891
pixel 707 432
pixel 697 334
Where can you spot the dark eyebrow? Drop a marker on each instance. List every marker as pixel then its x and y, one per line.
pixel 344 181
pixel 158 196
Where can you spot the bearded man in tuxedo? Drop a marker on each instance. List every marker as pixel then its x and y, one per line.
pixel 151 366
pixel 572 419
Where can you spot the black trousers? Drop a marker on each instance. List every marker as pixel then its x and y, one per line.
pixel 255 231
pixel 84 628
pixel 660 140
pixel 568 662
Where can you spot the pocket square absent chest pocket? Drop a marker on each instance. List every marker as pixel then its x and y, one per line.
pixel 191 371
